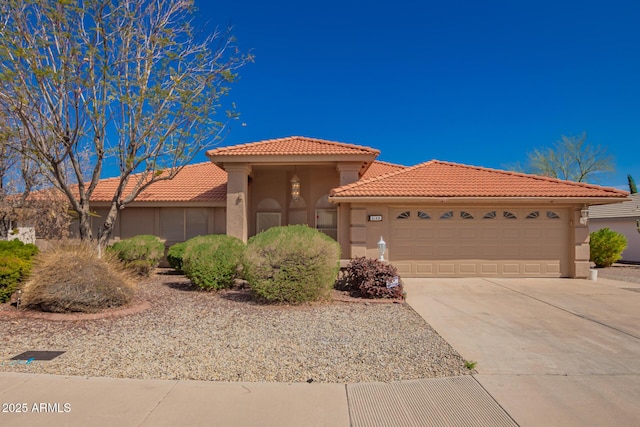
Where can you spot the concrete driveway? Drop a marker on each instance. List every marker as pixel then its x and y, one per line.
pixel 557 352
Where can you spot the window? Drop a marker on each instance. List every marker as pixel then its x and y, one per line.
pixel 533 215
pixel 327 222
pixel 197 223
pixel 180 224
pixel 509 215
pixel 404 215
pixel 490 215
pixel 266 220
pixel 552 215
pixel 465 215
pixel 423 215
pixel 447 215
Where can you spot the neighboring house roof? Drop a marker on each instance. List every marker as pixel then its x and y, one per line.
pixel 378 168
pixel 200 182
pixel 443 179
pixel 628 209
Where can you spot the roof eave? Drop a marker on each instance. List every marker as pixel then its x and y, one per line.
pixel 478 200
pixel 220 160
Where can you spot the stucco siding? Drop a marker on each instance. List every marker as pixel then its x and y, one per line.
pixel 626 226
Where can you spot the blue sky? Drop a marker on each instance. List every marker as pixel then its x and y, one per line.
pixel 474 82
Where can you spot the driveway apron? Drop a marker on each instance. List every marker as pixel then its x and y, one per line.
pixel 549 351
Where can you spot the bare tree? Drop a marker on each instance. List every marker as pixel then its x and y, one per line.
pixel 121 81
pixel 571 158
pixel 26 195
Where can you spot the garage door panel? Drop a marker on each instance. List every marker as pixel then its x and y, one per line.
pixel 532 268
pixel 404 268
pixel 468 233
pixel 445 252
pixel 489 268
pixel 531 252
pixel 488 252
pixel 424 233
pixel 511 268
pixel 468 269
pixel 424 268
pixel 467 251
pixel 447 233
pixel 422 252
pixel 489 233
pixel 497 245
pixel 446 268
pixel 511 233
pixel 509 252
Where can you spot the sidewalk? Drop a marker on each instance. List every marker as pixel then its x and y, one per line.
pixel 54 401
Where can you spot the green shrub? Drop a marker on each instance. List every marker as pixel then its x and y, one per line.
pixel 291 264
pixel 175 255
pixel 15 265
pixel 12 271
pixel 211 262
pixel 18 249
pixel 606 247
pixel 370 278
pixel 72 278
pixel 140 253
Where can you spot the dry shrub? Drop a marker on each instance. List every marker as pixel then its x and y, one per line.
pixel 70 277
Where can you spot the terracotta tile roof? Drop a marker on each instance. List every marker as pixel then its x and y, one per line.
pixel 293 145
pixel 444 179
pixel 378 168
pixel 200 182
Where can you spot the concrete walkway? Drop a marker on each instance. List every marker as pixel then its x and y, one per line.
pixel 549 351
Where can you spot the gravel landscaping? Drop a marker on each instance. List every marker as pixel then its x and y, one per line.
pixel 190 334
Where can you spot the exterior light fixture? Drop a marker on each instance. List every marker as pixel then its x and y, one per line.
pixel 295 187
pixel 382 248
pixel 584 215
pixel 638 225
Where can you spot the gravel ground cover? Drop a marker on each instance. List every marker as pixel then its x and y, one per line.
pixel 623 272
pixel 189 334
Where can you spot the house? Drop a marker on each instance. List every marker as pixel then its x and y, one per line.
pixel 623 218
pixel 437 218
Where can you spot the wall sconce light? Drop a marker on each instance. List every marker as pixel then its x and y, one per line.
pixel 584 215
pixel 295 187
pixel 382 248
pixel 638 225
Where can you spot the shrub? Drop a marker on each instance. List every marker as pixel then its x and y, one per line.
pixel 12 271
pixel 291 264
pixel 212 262
pixel 18 249
pixel 368 278
pixel 606 247
pixel 15 265
pixel 72 278
pixel 175 255
pixel 140 253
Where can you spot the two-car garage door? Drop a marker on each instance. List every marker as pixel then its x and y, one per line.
pixel 488 242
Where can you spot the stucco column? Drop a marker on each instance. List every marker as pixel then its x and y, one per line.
pixel 581 252
pixel 348 172
pixel 237 200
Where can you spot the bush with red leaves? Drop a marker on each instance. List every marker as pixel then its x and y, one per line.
pixel 370 278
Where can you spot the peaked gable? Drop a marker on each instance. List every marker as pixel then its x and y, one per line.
pixel 444 179
pixel 294 145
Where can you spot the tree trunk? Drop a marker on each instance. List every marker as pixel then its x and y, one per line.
pixel 107 227
pixel 84 223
